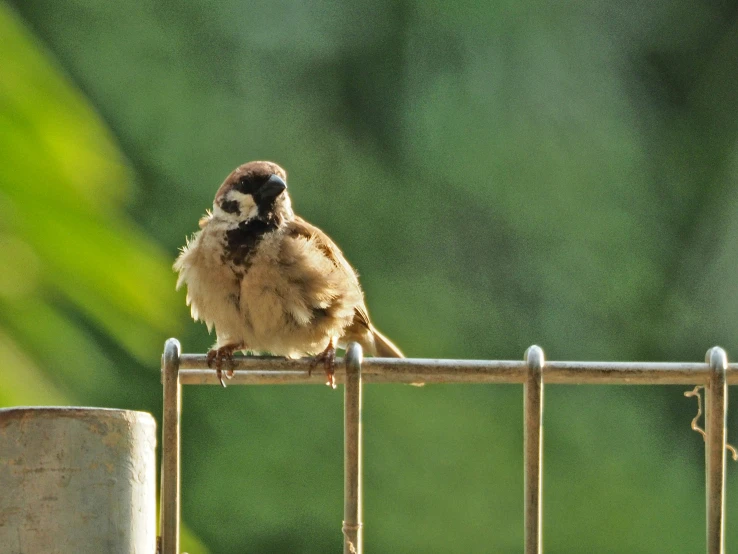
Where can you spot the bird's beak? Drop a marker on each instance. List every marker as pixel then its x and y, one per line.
pixel 272 188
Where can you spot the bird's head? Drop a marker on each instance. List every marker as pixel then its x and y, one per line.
pixel 256 190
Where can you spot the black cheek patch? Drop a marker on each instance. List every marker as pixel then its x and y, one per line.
pixel 230 206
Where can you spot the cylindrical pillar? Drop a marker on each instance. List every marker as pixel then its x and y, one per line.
pixel 77 481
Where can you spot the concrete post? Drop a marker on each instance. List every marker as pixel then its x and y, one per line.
pixel 77 481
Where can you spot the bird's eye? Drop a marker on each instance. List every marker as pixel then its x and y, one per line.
pixel 247 185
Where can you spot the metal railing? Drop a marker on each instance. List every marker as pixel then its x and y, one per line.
pixel 191 369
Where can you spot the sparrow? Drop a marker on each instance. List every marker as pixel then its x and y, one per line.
pixel 269 281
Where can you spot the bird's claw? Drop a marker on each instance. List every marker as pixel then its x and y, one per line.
pixel 217 356
pixel 328 357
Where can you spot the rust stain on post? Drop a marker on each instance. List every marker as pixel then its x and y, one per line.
pixel 533 450
pixel 715 423
pixel 170 458
pixel 352 491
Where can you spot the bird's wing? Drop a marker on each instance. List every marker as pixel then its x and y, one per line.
pixel 300 227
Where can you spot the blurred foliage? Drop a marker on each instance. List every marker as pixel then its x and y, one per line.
pixel 501 174
pixel 71 259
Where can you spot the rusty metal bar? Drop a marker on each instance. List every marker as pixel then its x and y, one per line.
pixel 170 449
pixel 259 370
pixel 716 405
pixel 533 450
pixel 352 486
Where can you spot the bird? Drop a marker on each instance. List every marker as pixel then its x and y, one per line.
pixel 268 281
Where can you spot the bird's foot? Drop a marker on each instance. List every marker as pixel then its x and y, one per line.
pixel 217 356
pixel 328 357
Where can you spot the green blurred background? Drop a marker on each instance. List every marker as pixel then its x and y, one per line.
pixel 500 173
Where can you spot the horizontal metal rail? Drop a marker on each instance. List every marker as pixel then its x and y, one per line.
pixel 715 374
pixel 264 370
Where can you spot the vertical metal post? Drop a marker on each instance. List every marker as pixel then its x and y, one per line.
pixel 352 489
pixel 716 403
pixel 170 445
pixel 533 450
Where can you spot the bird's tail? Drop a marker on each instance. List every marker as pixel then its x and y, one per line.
pixel 384 347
